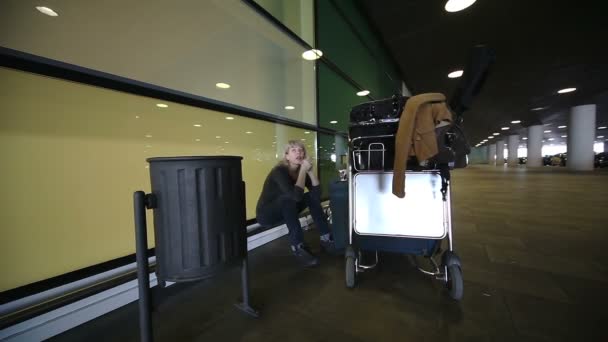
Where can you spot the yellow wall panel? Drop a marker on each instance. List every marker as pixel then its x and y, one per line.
pixel 74 154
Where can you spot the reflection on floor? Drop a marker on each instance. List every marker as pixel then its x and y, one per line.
pixel 532 244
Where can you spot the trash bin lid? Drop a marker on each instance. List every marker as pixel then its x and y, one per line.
pixel 184 158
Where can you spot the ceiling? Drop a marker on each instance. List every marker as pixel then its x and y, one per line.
pixel 541 46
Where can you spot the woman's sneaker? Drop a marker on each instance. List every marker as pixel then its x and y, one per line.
pixel 304 256
pixel 329 246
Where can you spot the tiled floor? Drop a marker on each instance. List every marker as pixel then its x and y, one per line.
pixel 533 247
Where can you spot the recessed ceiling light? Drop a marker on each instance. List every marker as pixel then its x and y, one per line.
pixel 333 122
pixel 516 121
pixel 548 131
pixel 562 126
pixel 455 74
pixel 550 139
pixel 47 11
pixel 249 132
pixel 197 125
pixel 603 127
pixel 217 137
pixel 222 85
pixel 538 108
pixel 504 128
pixel 306 132
pixel 303 139
pixel 226 142
pixel 491 137
pixel 290 107
pixel 161 105
pixel 600 136
pixel 137 116
pixel 564 136
pixel 148 136
pixel 229 118
pixel 311 55
pixel 525 138
pixel 566 90
pixel 458 5
pixel 495 133
pixel 363 93
pixel 197 139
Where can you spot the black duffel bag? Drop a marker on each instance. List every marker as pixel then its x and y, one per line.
pixel 382 117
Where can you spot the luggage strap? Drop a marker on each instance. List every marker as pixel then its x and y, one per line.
pixel 444 172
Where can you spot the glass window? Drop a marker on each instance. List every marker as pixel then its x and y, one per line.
pixel 336 98
pixel 297 15
pixel 197 47
pixel 74 154
pixel 333 157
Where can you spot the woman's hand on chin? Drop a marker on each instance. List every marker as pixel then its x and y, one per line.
pixel 306 165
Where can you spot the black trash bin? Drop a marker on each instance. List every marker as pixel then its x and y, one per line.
pixel 199 224
pixel 199 220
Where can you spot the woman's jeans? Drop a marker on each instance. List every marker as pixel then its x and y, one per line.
pixel 287 210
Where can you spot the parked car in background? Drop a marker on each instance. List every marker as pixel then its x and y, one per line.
pixel 559 159
pixel 523 160
pixel 556 159
pixel 601 159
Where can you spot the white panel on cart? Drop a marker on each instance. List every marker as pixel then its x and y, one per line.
pixel 421 214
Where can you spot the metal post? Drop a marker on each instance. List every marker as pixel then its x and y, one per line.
pixel 141 251
pixel 244 306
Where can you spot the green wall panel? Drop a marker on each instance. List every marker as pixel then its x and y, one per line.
pixel 359 54
pixel 384 63
pixel 336 97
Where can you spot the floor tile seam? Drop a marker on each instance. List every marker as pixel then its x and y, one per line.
pixel 313 319
pixel 550 272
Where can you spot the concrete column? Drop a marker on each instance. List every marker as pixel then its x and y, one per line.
pixel 512 145
pixel 605 146
pixel 492 154
pixel 581 135
pixel 500 152
pixel 535 146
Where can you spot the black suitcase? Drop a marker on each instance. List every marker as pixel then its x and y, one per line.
pixel 338 203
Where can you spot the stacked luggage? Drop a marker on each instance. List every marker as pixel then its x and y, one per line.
pixel 381 221
pixel 397 193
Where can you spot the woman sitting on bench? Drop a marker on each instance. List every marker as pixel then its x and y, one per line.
pixel 283 198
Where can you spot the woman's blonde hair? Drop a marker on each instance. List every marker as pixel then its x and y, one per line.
pixel 290 144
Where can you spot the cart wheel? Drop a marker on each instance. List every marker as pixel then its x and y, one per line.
pixel 350 272
pixel 455 283
pixel 450 258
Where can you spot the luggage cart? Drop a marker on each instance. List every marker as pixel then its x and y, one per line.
pixel 380 221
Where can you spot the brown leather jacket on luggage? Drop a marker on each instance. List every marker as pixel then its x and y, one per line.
pixel 416 133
